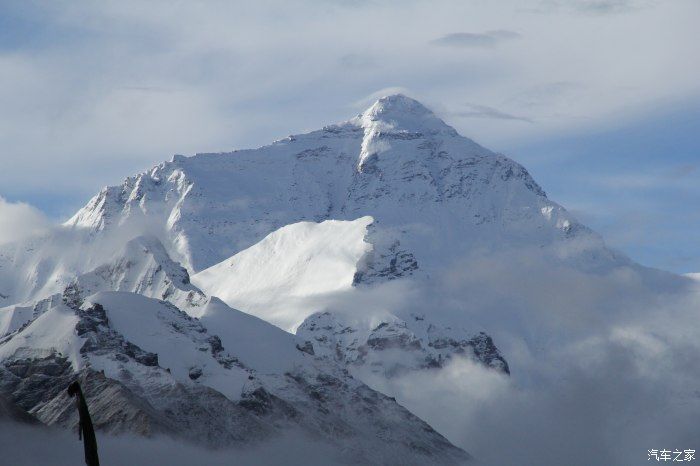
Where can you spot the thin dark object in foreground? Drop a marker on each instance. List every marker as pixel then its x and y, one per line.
pixel 85 429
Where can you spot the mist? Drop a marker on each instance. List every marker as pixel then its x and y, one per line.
pixel 21 444
pixel 603 363
pixel 19 220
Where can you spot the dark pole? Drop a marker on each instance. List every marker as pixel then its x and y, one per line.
pixel 85 429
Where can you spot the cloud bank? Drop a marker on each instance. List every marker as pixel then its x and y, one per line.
pixel 19 220
pixel 23 445
pixel 603 362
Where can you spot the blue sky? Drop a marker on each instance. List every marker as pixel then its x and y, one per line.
pixel 597 98
pixel 637 184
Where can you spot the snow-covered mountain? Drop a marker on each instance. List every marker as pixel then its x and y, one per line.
pixel 432 193
pixel 137 294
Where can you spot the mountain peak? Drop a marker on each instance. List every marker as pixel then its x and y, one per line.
pixel 396 117
pixel 397 103
pixel 398 112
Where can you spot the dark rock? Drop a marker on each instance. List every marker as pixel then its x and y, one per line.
pixel 307 347
pixel 195 373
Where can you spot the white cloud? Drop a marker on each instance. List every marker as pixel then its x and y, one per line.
pixel 19 220
pixel 603 364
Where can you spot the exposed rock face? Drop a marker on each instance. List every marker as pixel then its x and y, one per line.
pixel 394 346
pixel 198 414
pixel 384 264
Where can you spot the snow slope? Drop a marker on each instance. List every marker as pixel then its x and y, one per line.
pixel 283 278
pixel 259 345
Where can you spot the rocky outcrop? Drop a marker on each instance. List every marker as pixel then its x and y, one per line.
pixel 385 264
pixel 395 346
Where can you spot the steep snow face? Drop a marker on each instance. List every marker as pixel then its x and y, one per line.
pixel 285 277
pixel 14 317
pixel 432 193
pixel 259 345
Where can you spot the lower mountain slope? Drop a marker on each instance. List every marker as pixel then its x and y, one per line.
pixel 149 368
